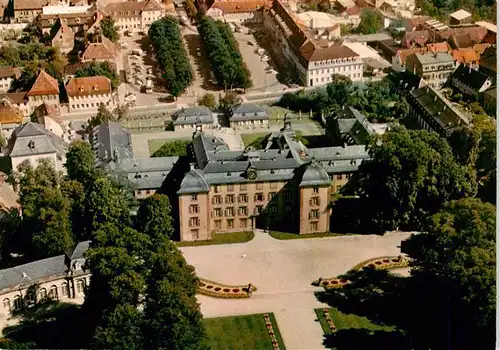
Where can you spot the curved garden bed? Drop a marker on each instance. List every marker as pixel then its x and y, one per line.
pixel 380 263
pixel 218 290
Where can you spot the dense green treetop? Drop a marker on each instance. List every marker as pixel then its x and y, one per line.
pixel 81 162
pixel 108 29
pixel 93 69
pixel 155 217
pixel 371 22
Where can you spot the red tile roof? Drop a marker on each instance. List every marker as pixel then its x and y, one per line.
pixel 314 52
pixel 87 86
pixel 105 50
pixel 29 4
pixel 44 85
pixel 9 114
pixel 239 6
pixel 419 37
pixel 466 56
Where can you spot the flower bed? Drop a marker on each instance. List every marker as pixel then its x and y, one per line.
pixel 218 290
pixel 329 320
pixel 270 329
pixel 380 263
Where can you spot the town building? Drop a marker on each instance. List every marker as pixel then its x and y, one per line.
pixel 32 142
pixel 248 115
pixel 470 81
pixel 10 118
pixel 7 75
pixel 235 11
pixel 488 63
pixel 189 118
pixel 51 121
pixel 491 35
pixel 79 22
pixel 87 93
pixel 25 11
pixel 45 89
pixel 349 127
pixel 134 16
pixel 469 57
pixel 103 51
pixel 489 101
pixel 433 112
pixel 313 61
pixel 61 278
pixel 435 68
pixel 399 56
pixel 460 17
pixel 283 185
pixel 19 100
pixel 111 142
pixel 62 36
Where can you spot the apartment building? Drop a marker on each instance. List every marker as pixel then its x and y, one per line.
pixel 460 17
pixel 134 16
pixel 433 112
pixel 87 93
pixel 60 278
pixel 434 67
pixel 314 61
pixel 7 75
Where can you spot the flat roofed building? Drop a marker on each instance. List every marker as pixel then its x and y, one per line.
pixel 460 17
pixel 434 67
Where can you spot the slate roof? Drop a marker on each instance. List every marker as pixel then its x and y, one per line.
pixel 193 182
pixel 33 139
pixel 447 117
pixel 105 50
pixel 111 142
pixel 190 116
pixel 40 269
pixel 315 175
pixel 353 123
pixel 469 77
pixel 248 111
pixel 44 85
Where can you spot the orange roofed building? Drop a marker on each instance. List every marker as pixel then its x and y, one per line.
pixel 313 60
pixel 44 90
pixel 88 93
pixel 104 51
pixel 10 117
pixel 235 11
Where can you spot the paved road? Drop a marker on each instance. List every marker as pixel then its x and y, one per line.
pixel 283 272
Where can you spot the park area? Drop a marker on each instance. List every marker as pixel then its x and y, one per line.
pixel 243 332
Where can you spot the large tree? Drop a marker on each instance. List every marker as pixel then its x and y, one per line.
pixel 93 69
pixel 454 265
pixel 81 162
pixel 108 29
pixel 155 217
pixel 46 211
pixel 409 175
pixel 370 23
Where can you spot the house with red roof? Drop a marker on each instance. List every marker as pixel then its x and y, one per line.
pixel 44 90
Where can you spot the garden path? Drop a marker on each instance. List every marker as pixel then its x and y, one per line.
pixel 283 271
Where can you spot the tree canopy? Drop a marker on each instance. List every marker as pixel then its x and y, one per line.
pixel 172 148
pixel 155 217
pixel 208 100
pixel 371 22
pixel 454 262
pixel 93 69
pixel 108 29
pixel 409 176
pixel 171 55
pixel 224 55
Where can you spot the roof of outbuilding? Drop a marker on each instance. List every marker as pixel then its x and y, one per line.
pixel 315 175
pixel 9 114
pixel 248 111
pixel 29 4
pixel 88 86
pixel 10 72
pixel 33 139
pixel 44 85
pixel 190 116
pixel 193 182
pixel 460 14
pixel 111 142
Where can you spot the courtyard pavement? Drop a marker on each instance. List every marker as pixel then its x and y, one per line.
pixel 283 271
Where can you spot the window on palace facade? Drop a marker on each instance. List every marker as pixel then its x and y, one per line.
pixel 339 177
pixel 80 286
pixel 230 211
pixel 258 210
pixel 314 214
pixel 230 188
pixel 243 223
pixel 18 303
pixel 216 189
pixel 315 189
pixel 243 198
pixel 273 185
pixel 287 195
pixel 314 226
pixel 53 292
pixel 194 197
pixel 230 223
pixel 194 222
pixel 218 224
pixel 259 197
pixel 271 195
pixel 6 304
pixel 216 200
pixel 217 212
pixel 259 185
pixel 64 289
pixel 273 210
pixel 230 198
pixel 314 201
pixel 194 209
pixel 243 187
pixel 195 234
pixel 242 211
pixel 43 294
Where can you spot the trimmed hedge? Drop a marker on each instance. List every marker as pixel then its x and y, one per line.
pixel 171 55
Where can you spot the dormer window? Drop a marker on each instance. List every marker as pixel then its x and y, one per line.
pixel 81 89
pixel 94 88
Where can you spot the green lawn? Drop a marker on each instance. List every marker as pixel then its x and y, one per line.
pixel 249 138
pixel 222 238
pixel 241 332
pixel 286 235
pixel 154 145
pixel 347 321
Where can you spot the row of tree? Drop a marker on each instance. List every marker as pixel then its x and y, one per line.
pixel 224 55
pixel 377 100
pixel 171 55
